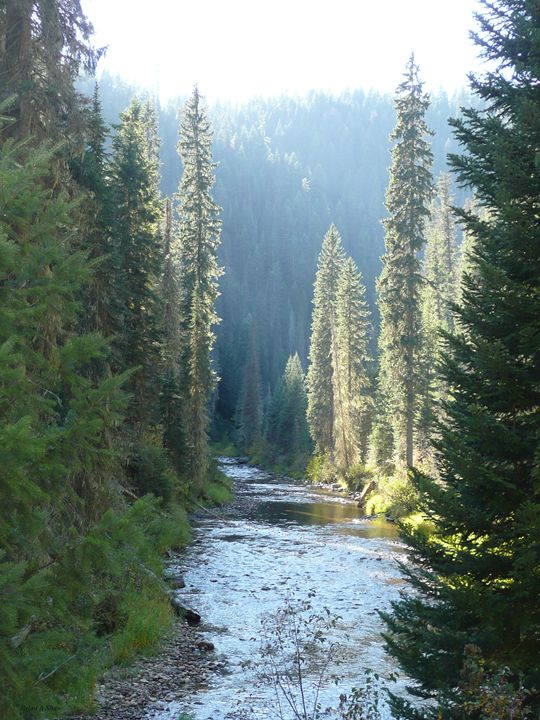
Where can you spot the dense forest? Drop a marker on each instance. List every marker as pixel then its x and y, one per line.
pixel 342 289
pixel 287 169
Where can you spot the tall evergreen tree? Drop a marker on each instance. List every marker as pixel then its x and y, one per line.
pixel 288 432
pixel 90 171
pixel 199 233
pixel 398 287
pixel 351 380
pixel 440 290
pixel 137 251
pixel 45 45
pixel 320 385
pixel 477 582
pixel 441 260
pixel 171 385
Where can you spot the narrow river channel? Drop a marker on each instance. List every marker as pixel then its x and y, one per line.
pixel 286 541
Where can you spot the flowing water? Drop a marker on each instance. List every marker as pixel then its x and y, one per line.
pixel 288 542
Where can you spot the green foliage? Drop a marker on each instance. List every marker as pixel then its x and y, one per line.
pixel 287 431
pixel 319 381
pixel 439 292
pixel 149 471
pixel 56 619
pixel 199 230
pixel 320 469
pixel 398 287
pixel 144 619
pixel 395 496
pixel 136 257
pixel 249 415
pixel 216 489
pixel 476 580
pixel 350 377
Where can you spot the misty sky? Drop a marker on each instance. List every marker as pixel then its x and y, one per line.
pixel 238 48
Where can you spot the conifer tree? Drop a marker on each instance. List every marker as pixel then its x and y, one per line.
pixel 320 385
pixel 137 250
pixel 199 232
pixel 350 377
pixel 90 172
pixel 476 582
pixel 287 426
pixel 171 390
pixel 441 261
pixel 398 287
pixel 45 45
pixel 440 290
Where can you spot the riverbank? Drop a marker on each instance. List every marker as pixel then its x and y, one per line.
pixel 278 540
pixel 181 663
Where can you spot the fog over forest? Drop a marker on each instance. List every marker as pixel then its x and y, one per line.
pixel 288 168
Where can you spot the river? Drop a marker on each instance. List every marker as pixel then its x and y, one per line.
pixel 287 543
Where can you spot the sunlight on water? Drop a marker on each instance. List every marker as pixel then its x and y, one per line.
pixel 295 541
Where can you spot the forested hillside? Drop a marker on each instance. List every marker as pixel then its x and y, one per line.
pixel 288 168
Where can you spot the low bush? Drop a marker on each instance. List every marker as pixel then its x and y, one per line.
pixel 150 471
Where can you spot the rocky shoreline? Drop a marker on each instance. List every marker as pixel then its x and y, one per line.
pixel 185 662
pixel 176 671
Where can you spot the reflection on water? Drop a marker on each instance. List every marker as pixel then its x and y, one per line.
pixel 325 513
pixel 293 541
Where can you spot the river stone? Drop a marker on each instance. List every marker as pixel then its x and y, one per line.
pixel 205 646
pixel 177 582
pixel 190 616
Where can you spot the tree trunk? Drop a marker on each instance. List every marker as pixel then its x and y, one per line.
pixel 17 66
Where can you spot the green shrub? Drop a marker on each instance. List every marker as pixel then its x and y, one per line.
pixel 145 617
pixel 150 472
pixel 320 469
pixel 101 600
pixel 394 495
pixel 217 489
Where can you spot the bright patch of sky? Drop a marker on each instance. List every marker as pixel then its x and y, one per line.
pixel 235 49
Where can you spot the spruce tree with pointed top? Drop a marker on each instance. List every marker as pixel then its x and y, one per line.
pixel 320 385
pixel 137 254
pixel 398 287
pixel 172 409
pixel 350 376
pixel 199 236
pixel 476 581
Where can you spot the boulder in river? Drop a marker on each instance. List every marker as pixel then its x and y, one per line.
pixel 190 616
pixel 205 646
pixel 177 582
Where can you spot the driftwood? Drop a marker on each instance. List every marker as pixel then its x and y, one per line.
pixel 18 639
pixel 366 490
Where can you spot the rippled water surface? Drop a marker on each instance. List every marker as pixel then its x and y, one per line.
pixel 291 541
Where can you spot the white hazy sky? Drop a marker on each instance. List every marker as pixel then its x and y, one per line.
pixel 235 49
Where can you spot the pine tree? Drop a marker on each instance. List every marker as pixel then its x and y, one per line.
pixel 250 412
pixel 45 46
pixel 288 432
pixel 350 377
pixel 476 582
pixel 440 290
pixel 137 252
pixel 171 384
pixel 90 172
pixel 320 386
pixel 199 232
pixel 398 287
pixel 441 260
